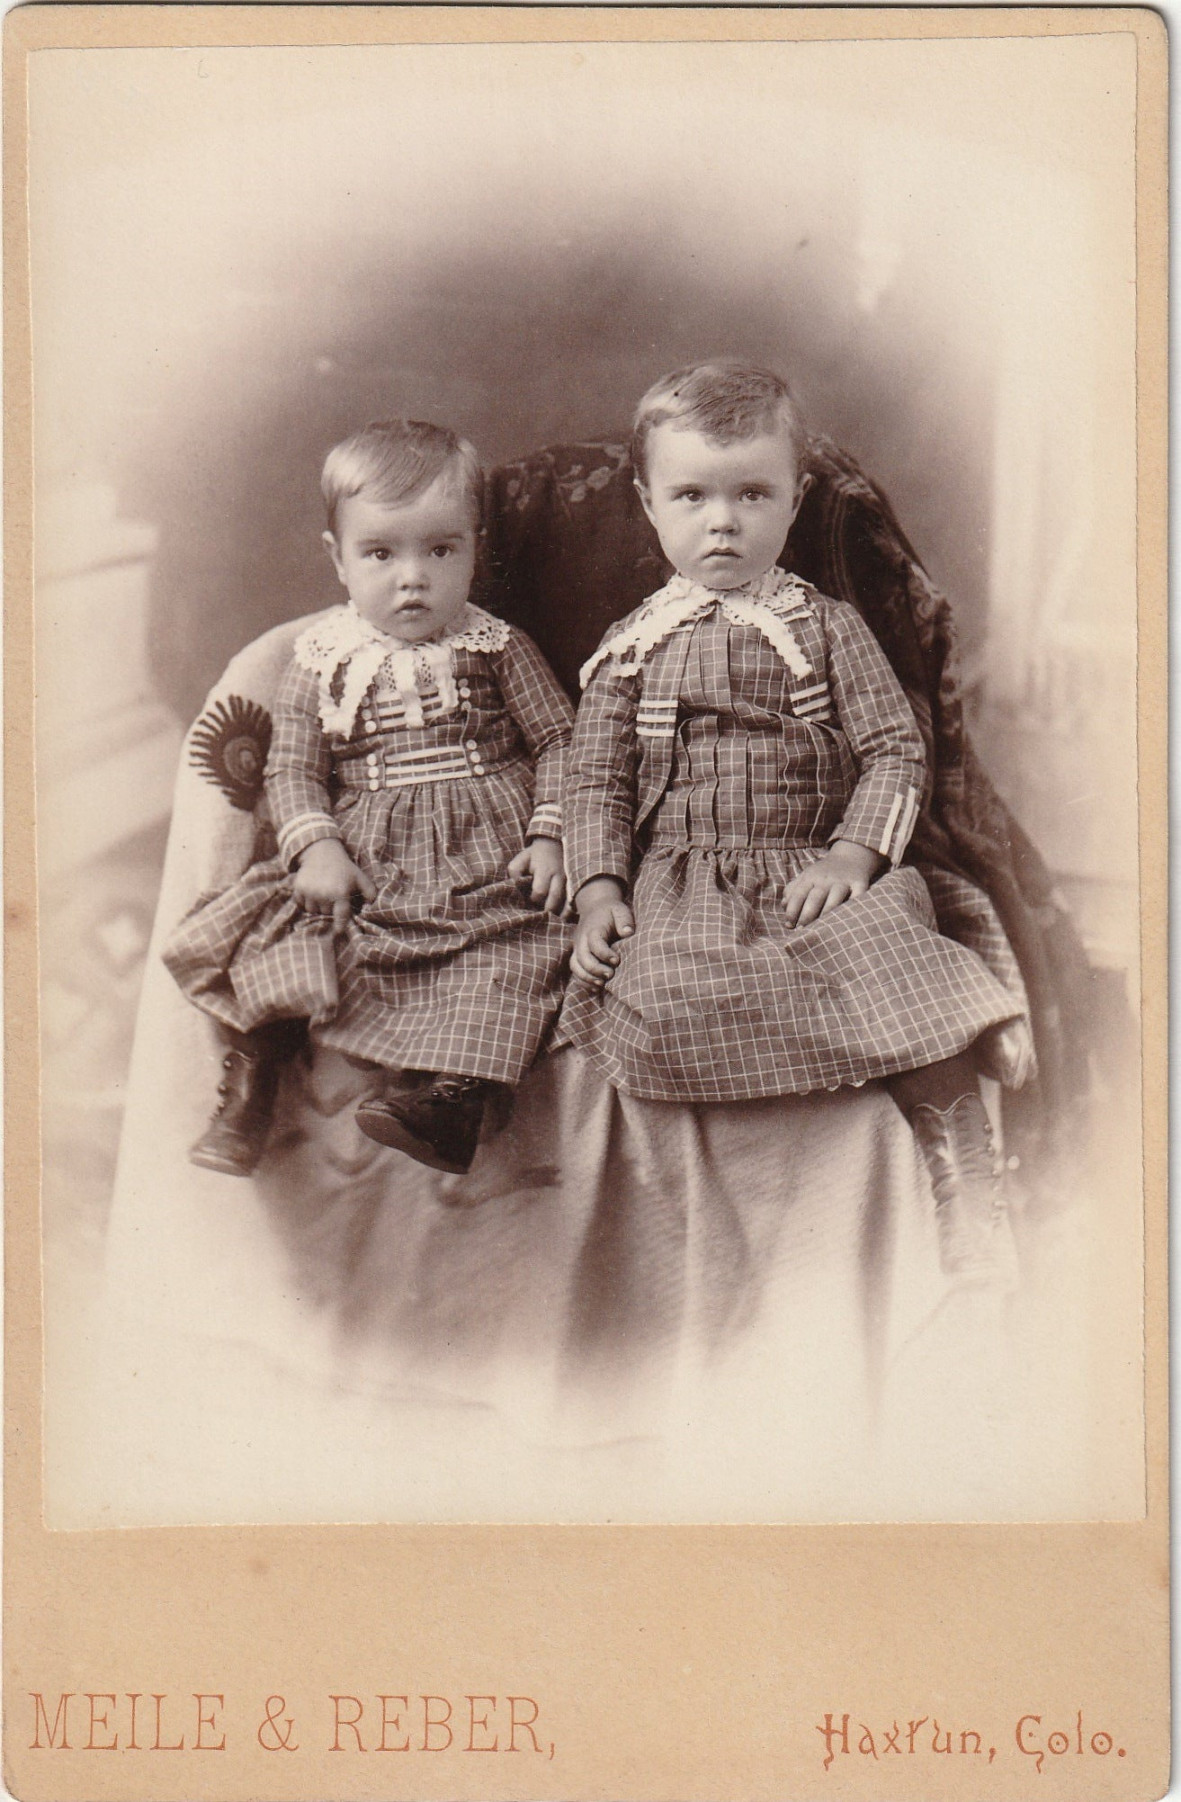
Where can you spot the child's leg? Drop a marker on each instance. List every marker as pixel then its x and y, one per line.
pixel 236 1137
pixel 936 1085
pixel 943 1104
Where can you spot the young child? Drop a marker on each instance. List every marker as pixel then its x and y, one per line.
pixel 412 915
pixel 745 775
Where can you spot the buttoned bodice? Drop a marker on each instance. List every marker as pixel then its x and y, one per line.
pixel 476 734
pixel 745 770
pixel 491 709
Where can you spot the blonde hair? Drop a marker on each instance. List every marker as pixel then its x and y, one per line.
pixel 725 399
pixel 392 460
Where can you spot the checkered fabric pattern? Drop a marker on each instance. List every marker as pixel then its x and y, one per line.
pixel 965 913
pixel 450 967
pixel 837 754
pixel 716 998
pixel 571 551
pixel 509 705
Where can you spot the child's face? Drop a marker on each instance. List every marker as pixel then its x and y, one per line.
pixel 722 512
pixel 407 567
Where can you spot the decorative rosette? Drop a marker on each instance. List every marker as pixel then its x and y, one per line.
pixel 229 746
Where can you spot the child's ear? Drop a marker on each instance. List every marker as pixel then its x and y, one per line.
pixel 645 499
pixel 480 570
pixel 803 483
pixel 330 545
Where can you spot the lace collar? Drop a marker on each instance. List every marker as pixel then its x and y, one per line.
pixel 347 655
pixel 766 603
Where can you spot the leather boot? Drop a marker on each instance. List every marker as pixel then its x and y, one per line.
pixel 438 1125
pixel 968 1182
pixel 236 1137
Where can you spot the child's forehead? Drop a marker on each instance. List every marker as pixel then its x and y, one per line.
pixel 442 506
pixel 677 447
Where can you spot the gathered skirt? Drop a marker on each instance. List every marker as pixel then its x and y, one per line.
pixel 450 966
pixel 717 998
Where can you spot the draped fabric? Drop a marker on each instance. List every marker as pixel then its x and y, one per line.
pixel 354 1337
pixel 626 1310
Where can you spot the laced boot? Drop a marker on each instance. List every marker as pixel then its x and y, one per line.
pixel 236 1137
pixel 438 1125
pixel 968 1183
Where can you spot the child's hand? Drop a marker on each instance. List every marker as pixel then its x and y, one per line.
pixel 843 873
pixel 326 881
pixel 540 864
pixel 603 917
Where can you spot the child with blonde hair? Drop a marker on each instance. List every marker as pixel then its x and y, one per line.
pixel 745 776
pixel 413 913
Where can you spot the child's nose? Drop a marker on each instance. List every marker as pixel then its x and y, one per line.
pixel 721 514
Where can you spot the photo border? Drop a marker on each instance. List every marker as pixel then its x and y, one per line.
pixel 672 1662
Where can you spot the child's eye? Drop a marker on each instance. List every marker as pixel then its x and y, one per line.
pixel 754 494
pixel 442 550
pixel 379 554
pixel 690 494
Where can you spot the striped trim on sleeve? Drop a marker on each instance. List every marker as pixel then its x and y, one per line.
pixel 546 821
pixel 900 824
pixel 306 829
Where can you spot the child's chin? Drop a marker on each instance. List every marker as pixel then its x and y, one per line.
pixel 725 573
pixel 411 629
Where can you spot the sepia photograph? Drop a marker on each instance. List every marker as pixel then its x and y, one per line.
pixel 585 911
pixel 586 764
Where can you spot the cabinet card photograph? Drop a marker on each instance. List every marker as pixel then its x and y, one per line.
pixel 585 740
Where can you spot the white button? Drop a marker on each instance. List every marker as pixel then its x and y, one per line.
pixel 371 760
pixel 371 725
pixel 1012 1163
pixel 464 689
pixel 473 744
pixel 374 783
pixel 478 767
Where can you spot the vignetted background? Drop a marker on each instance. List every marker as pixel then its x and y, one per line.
pixel 240 255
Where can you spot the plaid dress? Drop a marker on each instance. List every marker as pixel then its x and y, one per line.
pixel 432 793
pixel 723 742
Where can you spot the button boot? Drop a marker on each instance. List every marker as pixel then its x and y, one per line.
pixel 236 1137
pixel 971 1212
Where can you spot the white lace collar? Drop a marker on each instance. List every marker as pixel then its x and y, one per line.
pixel 345 645
pixel 766 603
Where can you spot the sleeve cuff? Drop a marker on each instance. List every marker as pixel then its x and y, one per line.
pixel 885 829
pixel 299 833
pixel 546 821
